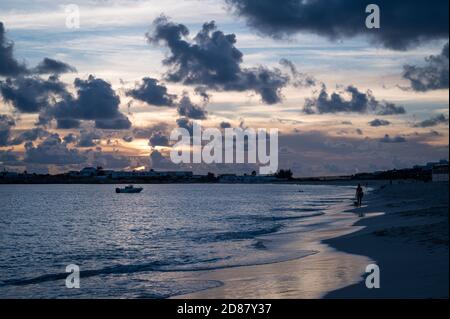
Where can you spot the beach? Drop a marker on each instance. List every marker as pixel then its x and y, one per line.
pixel 404 231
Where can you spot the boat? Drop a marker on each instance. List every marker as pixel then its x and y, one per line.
pixel 129 189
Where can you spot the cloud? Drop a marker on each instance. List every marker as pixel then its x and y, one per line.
pixel 51 66
pixel 52 150
pixel 153 93
pixel 6 138
pixel 433 75
pixel 224 125
pixel 70 138
pixel 185 123
pixel 434 121
pixel 32 94
pixel 378 122
pixel 6 123
pixel 120 123
pixel 88 138
pixel 9 66
pixel 395 139
pixel 359 102
pixel 147 132
pixel 211 60
pixel 190 110
pixel 404 23
pixel 158 139
pixel 298 79
pixel 30 135
pixel 67 123
pixel 9 158
pixel 96 101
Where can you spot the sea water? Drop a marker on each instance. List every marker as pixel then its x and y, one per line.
pixel 139 245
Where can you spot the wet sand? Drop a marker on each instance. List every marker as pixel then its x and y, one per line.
pixel 404 231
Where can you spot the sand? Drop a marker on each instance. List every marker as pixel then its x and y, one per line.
pixel 404 231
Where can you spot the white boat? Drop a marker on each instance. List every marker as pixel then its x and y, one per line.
pixel 129 189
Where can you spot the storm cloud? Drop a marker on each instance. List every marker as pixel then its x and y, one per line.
pixel 359 102
pixel 211 60
pixel 404 23
pixel 432 75
pixel 152 92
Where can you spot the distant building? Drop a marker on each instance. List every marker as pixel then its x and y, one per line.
pixel 440 173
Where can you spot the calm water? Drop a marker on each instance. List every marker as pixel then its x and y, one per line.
pixel 139 245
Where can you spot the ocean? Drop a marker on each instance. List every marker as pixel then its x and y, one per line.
pixel 140 245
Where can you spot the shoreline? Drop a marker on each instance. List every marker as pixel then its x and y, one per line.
pixel 412 265
pixel 311 276
pixel 409 242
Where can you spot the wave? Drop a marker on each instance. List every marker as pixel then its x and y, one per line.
pixel 154 267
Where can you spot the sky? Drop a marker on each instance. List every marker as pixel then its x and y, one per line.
pixel 345 98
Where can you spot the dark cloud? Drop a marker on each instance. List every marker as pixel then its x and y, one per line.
pixel 9 158
pixel 9 66
pixel 51 66
pixel 146 132
pixel 159 161
pixel 379 122
pixel 211 60
pixel 29 136
pixel 70 138
pixel 152 92
pixel 404 23
pixel 6 136
pixel 433 75
pixel 158 139
pixel 32 94
pixel 185 123
pixel 67 123
pixel 120 123
pixel 128 138
pixel 299 79
pixel 224 125
pixel 190 110
pixel 108 160
pixel 434 121
pixel 88 138
pixel 396 139
pixel 52 151
pixel 96 101
pixel 6 123
pixel 359 102
pixel 203 92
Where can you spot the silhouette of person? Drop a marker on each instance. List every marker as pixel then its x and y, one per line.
pixel 359 195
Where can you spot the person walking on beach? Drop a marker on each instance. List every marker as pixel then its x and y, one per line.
pixel 359 195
